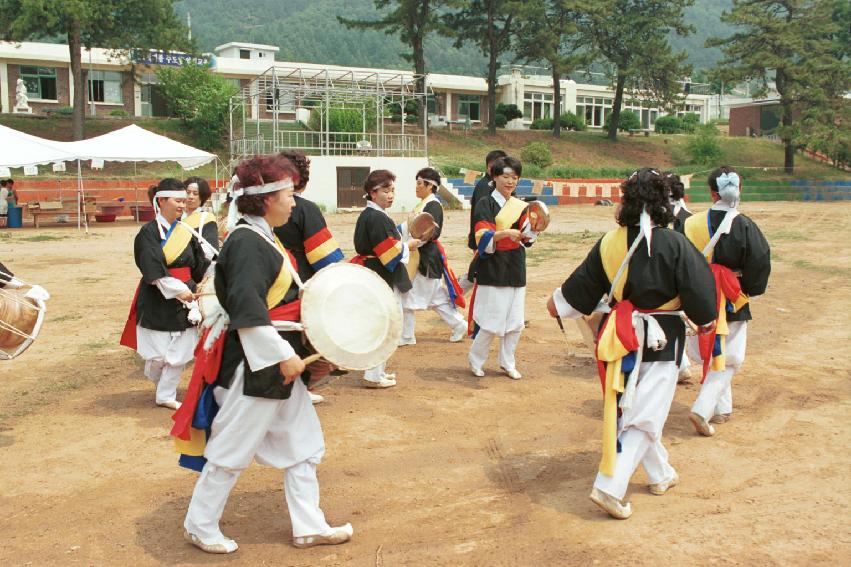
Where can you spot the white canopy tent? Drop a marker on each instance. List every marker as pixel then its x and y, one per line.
pixel 128 144
pixel 18 149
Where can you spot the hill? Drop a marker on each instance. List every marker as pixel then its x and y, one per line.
pixel 308 31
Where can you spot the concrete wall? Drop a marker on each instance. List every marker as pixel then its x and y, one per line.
pixel 322 187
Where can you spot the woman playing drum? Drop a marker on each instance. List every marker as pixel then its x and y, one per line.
pixel 255 376
pixel 160 326
pixel 196 215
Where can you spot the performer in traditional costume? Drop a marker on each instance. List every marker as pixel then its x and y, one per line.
pixel 378 243
pixel 483 188
pixel 497 306
pixel 648 276
pixel 160 326
pixel 676 195
pixel 248 397
pixel 433 282
pixel 306 234
pixel 201 220
pixel 741 262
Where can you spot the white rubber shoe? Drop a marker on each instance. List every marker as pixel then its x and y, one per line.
pixel 170 404
pixel 661 488
pixel 315 398
pixel 227 545
pixel 382 382
pixel 513 373
pixel 337 536
pixel 458 334
pixel 405 342
pixel 701 425
pixel 611 505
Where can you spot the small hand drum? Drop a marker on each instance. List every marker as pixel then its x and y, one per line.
pixel 422 226
pixel 539 215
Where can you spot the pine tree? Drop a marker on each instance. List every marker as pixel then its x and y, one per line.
pixel 548 30
pixel 797 44
pixel 412 20
pixel 632 35
pixel 121 25
pixel 488 24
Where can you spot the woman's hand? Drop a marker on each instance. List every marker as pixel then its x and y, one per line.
pixel 414 243
pixel 511 233
pixel 705 329
pixel 291 368
pixel 319 369
pixel 186 297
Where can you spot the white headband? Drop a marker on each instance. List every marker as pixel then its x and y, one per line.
pixel 429 181
pixel 191 185
pixel 233 214
pixel 171 193
pixel 506 170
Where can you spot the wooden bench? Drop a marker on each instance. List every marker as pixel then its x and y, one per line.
pixel 644 131
pixel 55 208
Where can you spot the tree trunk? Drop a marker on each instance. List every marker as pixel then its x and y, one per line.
pixel 79 102
pixel 419 61
pixel 788 145
pixel 556 101
pixel 616 107
pixel 492 65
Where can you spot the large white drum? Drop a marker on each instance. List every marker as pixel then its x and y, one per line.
pixel 20 322
pixel 351 316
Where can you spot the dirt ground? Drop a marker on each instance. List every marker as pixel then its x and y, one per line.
pixel 446 468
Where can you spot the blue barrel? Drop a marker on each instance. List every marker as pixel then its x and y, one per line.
pixel 15 218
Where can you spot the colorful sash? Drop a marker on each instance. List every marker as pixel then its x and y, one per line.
pixel 512 213
pixel 728 289
pixel 176 240
pixel 322 249
pixel 194 419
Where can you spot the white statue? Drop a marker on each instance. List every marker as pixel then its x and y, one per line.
pixel 21 100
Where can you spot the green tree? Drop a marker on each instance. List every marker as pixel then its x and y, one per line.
pixel 412 20
pixel 797 44
pixel 548 30
pixel 121 25
pixel 633 36
pixel 200 99
pixel 488 24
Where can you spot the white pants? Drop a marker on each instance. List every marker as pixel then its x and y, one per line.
pixel 466 283
pixel 374 374
pixel 640 430
pixel 716 392
pixel 428 293
pixel 284 434
pixel 481 348
pixel 166 354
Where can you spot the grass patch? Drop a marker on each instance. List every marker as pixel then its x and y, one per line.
pixel 63 386
pixel 89 280
pixel 42 238
pixel 68 317
pixel 97 345
pixel 787 234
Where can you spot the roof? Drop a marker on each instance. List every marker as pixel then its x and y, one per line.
pixel 59 53
pixel 242 45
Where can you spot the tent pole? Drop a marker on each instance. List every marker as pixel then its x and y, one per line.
pixel 136 191
pixel 79 190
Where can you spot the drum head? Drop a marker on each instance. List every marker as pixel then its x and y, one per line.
pixel 351 316
pixel 422 226
pixel 539 215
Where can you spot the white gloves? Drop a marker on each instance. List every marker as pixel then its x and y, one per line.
pixel 38 293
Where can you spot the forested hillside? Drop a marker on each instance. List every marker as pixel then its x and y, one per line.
pixel 308 31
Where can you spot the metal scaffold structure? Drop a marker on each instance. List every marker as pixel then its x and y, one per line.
pixel 296 107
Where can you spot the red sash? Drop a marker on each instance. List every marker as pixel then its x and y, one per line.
pixel 128 335
pixel 727 287
pixel 207 365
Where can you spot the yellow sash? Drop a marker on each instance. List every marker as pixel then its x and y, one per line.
pixel 194 220
pixel 510 213
pixel 282 283
pixel 176 243
pixel 696 229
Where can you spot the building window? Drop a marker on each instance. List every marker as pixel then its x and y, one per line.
pixel 40 82
pixel 244 54
pixel 431 104
pixel 593 109
pixel 537 105
pixel 105 86
pixel 689 109
pixel 468 107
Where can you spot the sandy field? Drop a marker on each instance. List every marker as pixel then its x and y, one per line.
pixel 445 468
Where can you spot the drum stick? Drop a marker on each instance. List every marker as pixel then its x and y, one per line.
pixel 311 359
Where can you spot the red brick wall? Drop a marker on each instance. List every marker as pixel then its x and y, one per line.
pixel 743 118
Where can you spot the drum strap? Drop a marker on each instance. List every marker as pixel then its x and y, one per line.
pixel 204 242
